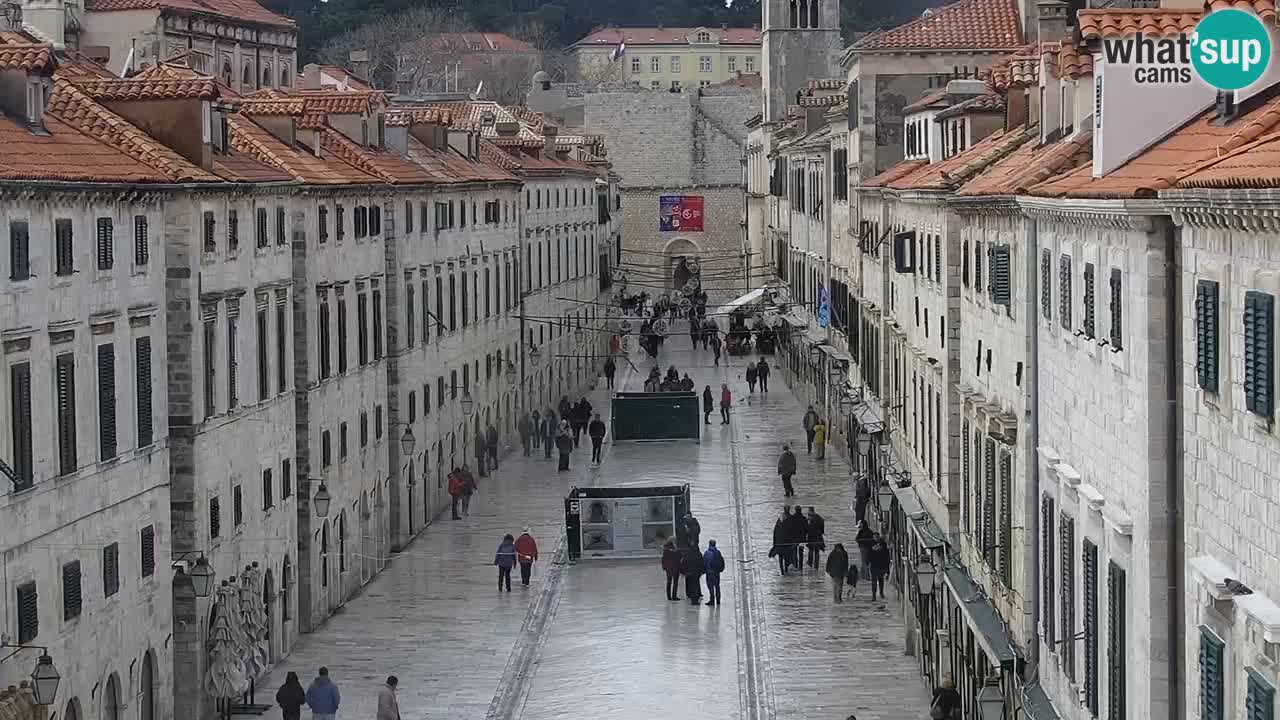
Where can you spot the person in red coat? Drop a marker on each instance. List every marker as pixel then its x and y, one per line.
pixel 671 566
pixel 526 554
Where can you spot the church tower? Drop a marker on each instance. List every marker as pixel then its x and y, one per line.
pixel 801 42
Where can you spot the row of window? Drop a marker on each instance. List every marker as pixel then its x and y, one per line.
pixel 269 497
pixel 986 498
pixel 263 229
pixel 1258 320
pixel 73 586
pixel 368 331
pixel 63 252
pixel 23 402
pixel 222 359
pixel 706 64
pixel 1089 325
pixel 916 137
pixel 1059 606
pixel 545 197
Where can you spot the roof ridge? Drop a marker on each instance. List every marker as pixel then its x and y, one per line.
pixel 246 143
pixel 347 151
pixel 876 40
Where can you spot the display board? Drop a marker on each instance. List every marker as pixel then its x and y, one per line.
pixel 607 522
pixel 680 213
pixel 656 416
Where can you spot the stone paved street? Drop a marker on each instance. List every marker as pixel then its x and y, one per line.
pixel 613 646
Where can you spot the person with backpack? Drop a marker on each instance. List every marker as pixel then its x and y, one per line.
pixel 291 697
pixel 456 484
pixel 762 373
pixel 525 428
pixel 713 564
pixel 751 376
pixel 596 431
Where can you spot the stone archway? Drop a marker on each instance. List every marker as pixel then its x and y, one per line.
pixel 147 687
pixel 682 258
pixel 111 699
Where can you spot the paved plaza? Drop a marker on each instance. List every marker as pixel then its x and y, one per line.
pixel 598 638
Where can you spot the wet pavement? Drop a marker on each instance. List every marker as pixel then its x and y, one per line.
pixel 603 641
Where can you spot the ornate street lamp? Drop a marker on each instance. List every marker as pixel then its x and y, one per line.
pixel 991 700
pixel 535 355
pixel 468 405
pixel 322 499
pixel 44 680
pixel 864 448
pixel 202 577
pixel 884 497
pixel 925 575
pixel 511 372
pixel 407 441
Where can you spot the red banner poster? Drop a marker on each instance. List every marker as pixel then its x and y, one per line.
pixel 680 213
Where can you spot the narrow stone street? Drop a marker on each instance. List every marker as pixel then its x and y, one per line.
pixel 603 640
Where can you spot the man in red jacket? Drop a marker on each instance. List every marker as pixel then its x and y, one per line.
pixel 456 485
pixel 526 554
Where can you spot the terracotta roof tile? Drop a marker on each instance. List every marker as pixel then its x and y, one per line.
pixel 894 173
pixel 610 37
pixel 76 65
pixel 272 106
pixel 417 116
pixel 1160 166
pixel 492 154
pixel 19 52
pixel 964 25
pixel 479 42
pixel 1021 66
pixel 828 84
pixel 158 82
pixel 237 167
pixel 1265 9
pixel 447 166
pixel 1256 165
pixel 243 10
pixel 69 104
pixel 821 100
pixel 470 116
pixel 65 154
pixel 1073 61
pixel 1097 24
pixel 989 103
pixel 1031 164
pixel 253 140
pixel 338 73
pixel 928 100
pixel 958 169
pixel 383 164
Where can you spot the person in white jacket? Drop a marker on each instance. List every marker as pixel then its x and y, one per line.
pixel 388 704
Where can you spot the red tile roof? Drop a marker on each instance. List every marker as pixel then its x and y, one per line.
pixel 158 82
pixel 404 117
pixel 237 167
pixel 1255 165
pixel 19 52
pixel 250 139
pixel 989 103
pixel 66 154
pixel 447 166
pixel 960 168
pixel 1097 24
pixel 1073 61
pixel 1031 164
pixel 895 173
pixel 609 37
pixel 964 25
pixel 246 11
pixel 1158 168
pixel 928 100
pixel 383 164
pixel 1265 9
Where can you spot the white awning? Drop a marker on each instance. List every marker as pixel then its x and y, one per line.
pixel 759 295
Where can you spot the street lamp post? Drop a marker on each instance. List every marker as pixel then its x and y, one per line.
pixel 322 498
pixel 44 678
pixel 195 581
pixel 925 576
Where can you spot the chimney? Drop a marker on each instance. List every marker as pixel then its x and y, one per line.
pixel 961 90
pixel 549 133
pixel 1051 20
pixel 311 76
pixel 359 63
pixel 507 129
pixel 1015 113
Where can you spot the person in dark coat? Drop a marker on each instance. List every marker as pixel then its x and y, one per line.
pixel 865 538
pixel 762 373
pixel 861 498
pixel 810 420
pixel 596 432
pixel 482 453
pixel 708 405
pixel 695 331
pixel 779 549
pixel 686 383
pixel 550 426
pixel 880 559
pixel 693 570
pixel 816 529
pixel 291 697
pixel 566 408
pixel 947 699
pixel 505 559
pixel 535 428
pixel 610 368
pixel 525 427
pixel 692 529
pixel 715 347
pixel 797 534
pixel 837 567
pixel 564 443
pixel 751 377
pixel 491 445
pixel 671 566
pixel 582 414
pixel 787 468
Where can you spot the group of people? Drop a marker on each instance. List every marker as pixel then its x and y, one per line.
pixel 874 560
pixel 671 382
pixel 512 551
pixel 815 432
pixel 758 373
pixel 462 487
pixel 486 449
pixel 701 331
pixel 793 535
pixel 708 404
pixel 562 431
pixel 324 698
pixel 694 564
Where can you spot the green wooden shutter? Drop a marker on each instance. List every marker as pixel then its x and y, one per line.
pixel 1259 353
pixel 965 510
pixel 19 250
pixel 106 244
pixel 1067 588
pixel 1259 699
pixel 65 379
pixel 1006 517
pixel 282 237
pixel 110 569
pixel 989 498
pixel 148 543
pixel 1211 677
pixel 1048 514
pixel 63 248
pixel 1001 285
pixel 141 241
pixel 1089 563
pixel 106 401
pixel 1046 284
pixel 1116 336
pixel 28 605
pixel 215 517
pixel 977 267
pixel 1090 302
pixel 260 227
pixel 1117 658
pixel 21 423
pixel 72 599
pixel 1207 335
pixel 1064 291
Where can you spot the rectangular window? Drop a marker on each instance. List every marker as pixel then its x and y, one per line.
pixel 28 613
pixel 111 569
pixel 268 490
pixel 1046 284
pixel 635 65
pixel 704 63
pixel 323 321
pixel 413 406
pixel 326 449
pixel 989 499
pixel 106 401
pixel 20 417
pixel 106 244
pixel 237 506
pixel 286 479
pixel 466 299
pixel 732 64
pixel 1117 627
pixel 282 348
pixel 147 541
pixel 233 231
pixel 409 308
pixel 141 241
pixel 426 312
pixel 233 331
pixel 1067 588
pixel 210 366
pixel 977 267
pixel 340 222
pixel 65 374
pixel 377 325
pixel 453 300
pixel 1259 353
pixel 1001 285
pixel 1090 299
pixel 1006 543
pixel 675 63
pixel 492 212
pixel 282 236
pixel 751 63
pixel 375 217
pixel 19 250
pixel 1116 334
pixel 1089 580
pixel 364 429
pixel 323 224
pixel 655 65
pixel 215 517
pixel 1064 291
pixel 342 441
pixel 362 328
pixel 342 334
pixel 260 227
pixel 63 248
pixel 440 307
pixel 1048 619
pixel 210 229
pixel 264 375
pixel 142 383
pixel 1211 676
pixel 72 599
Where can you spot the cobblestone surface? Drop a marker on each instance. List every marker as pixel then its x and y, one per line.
pixel 615 647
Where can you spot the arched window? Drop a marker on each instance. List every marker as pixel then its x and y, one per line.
pixel 266 77
pixel 247 76
pixel 813 13
pixel 342 542
pixel 804 13
pixel 148 686
pixel 226 73
pixel 111 700
pixel 704 37
pixel 324 554
pixel 285 79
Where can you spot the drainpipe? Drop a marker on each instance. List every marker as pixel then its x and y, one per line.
pixel 1174 485
pixel 1031 504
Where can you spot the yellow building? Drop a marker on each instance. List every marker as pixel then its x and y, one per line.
pixel 668 58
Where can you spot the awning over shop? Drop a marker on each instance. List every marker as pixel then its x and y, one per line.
pixel 815 336
pixel 1036 704
pixel 759 295
pixel 982 618
pixel 836 353
pixel 927 532
pixel 868 416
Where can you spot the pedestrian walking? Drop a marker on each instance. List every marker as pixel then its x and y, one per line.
pixel 726 401
pixel 715 347
pixel 525 427
pixel 566 408
pixel 610 369
pixel 708 405
pixel 526 555
pixel 779 547
pixel 865 539
pixel 456 486
pixel 880 559
pixel 861 498
pixel 323 697
pixel 692 529
pixel 820 439
pixel 693 570
pixel 695 331
pixel 481 451
pixel 291 697
pixel 505 559
pixel 837 567
pixel 564 443
pixel 810 420
pixel 787 468
pixel 762 373
pixel 491 444
pixel 946 704
pixel 596 432
pixel 581 418
pixel 550 426
pixel 671 566
pixel 817 527
pixel 713 565
pixel 388 703
pixel 469 488
pixel 751 377
pixel 797 535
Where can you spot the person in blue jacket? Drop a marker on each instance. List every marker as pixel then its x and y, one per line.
pixel 713 563
pixel 323 697
pixel 505 559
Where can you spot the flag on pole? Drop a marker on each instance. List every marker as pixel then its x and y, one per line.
pixel 618 52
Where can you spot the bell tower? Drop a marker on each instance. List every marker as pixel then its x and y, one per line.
pixel 801 42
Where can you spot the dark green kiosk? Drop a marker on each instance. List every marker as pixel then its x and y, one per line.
pixel 656 416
